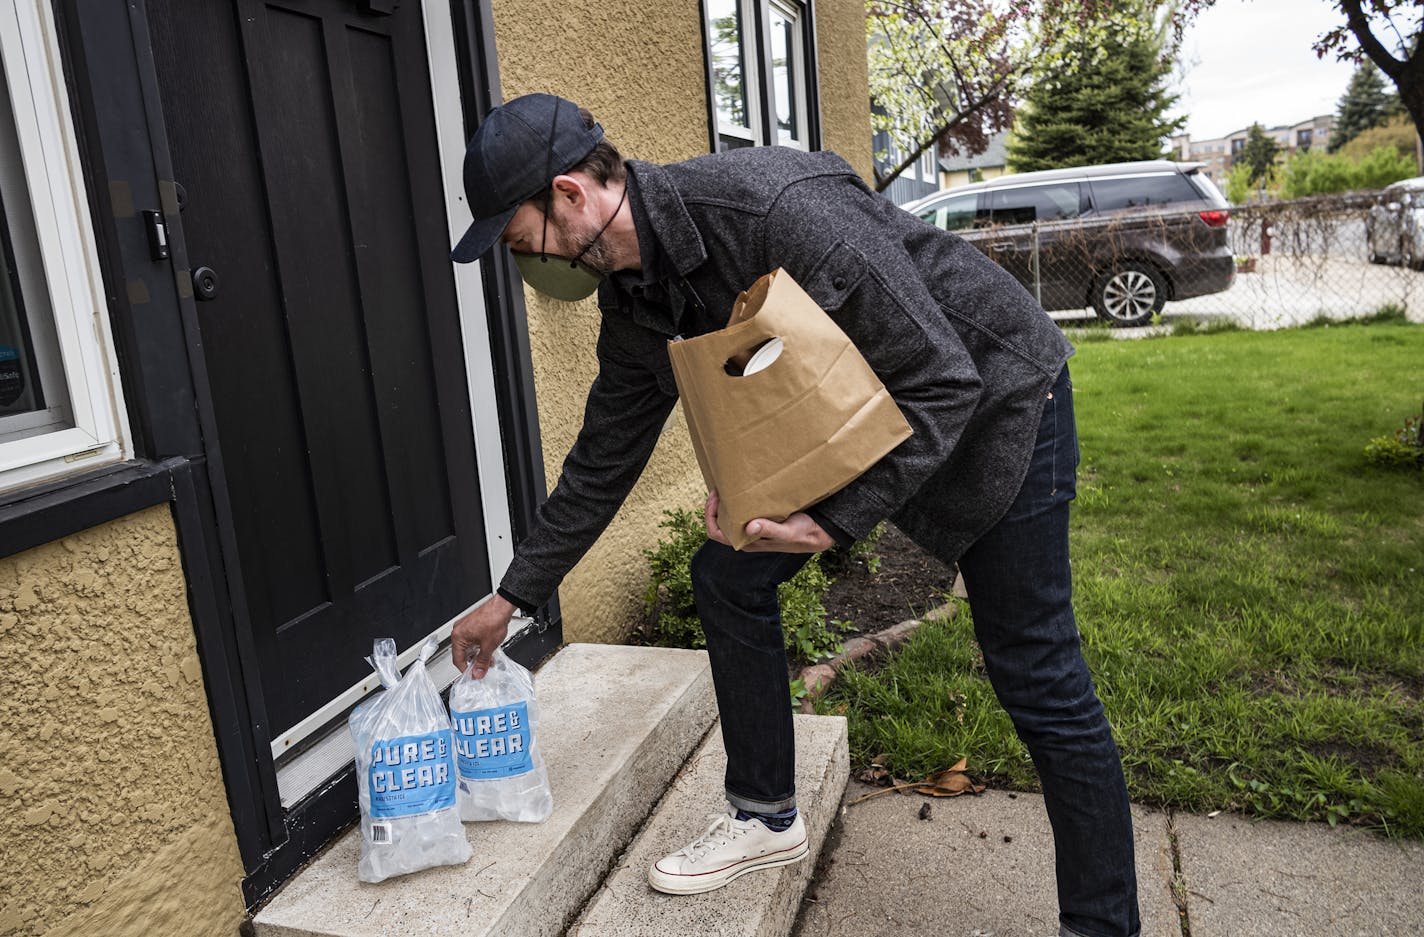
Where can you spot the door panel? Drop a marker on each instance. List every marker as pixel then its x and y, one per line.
pixel 303 136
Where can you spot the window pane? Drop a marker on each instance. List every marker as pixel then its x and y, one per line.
pixel 727 142
pixel 19 376
pixel 1118 194
pixel 1035 203
pixel 785 66
pixel 728 67
pixel 34 398
pixel 955 214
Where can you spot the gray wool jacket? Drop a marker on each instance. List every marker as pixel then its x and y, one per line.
pixel 966 352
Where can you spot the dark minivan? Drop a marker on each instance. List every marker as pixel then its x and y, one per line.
pixel 1122 238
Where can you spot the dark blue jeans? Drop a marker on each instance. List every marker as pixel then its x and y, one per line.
pixel 1020 591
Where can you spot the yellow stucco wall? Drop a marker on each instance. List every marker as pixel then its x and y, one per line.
pixel 639 67
pixel 115 819
pixel 845 85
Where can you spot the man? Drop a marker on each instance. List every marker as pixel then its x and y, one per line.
pixel 977 368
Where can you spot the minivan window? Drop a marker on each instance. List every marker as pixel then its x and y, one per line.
pixel 1207 188
pixel 953 214
pixel 1142 191
pixel 1024 204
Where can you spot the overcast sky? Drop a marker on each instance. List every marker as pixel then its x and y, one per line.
pixel 1250 60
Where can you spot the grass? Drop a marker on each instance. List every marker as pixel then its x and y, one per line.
pixel 1250 592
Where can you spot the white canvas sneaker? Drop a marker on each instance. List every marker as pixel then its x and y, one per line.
pixel 729 848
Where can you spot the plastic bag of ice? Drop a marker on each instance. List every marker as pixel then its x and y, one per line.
pixel 405 772
pixel 496 721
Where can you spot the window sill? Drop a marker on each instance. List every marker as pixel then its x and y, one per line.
pixel 48 512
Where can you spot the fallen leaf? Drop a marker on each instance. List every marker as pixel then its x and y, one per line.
pixel 951 782
pixel 876 773
pixel 924 811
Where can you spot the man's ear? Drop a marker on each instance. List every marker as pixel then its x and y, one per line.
pixel 572 190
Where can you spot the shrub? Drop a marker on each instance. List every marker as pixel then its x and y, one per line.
pixel 670 612
pixel 1384 165
pixel 1238 184
pixel 1405 449
pixel 1315 173
pixel 1397 134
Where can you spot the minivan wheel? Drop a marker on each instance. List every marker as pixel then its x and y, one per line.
pixel 1130 294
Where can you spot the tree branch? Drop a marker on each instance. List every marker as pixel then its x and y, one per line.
pixel 883 181
pixel 1359 24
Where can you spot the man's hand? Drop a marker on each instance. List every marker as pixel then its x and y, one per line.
pixel 482 630
pixel 797 534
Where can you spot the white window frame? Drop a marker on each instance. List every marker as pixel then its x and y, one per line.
pixel 799 74
pixel 754 19
pixel 73 288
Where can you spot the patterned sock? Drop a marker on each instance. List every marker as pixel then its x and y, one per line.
pixel 776 822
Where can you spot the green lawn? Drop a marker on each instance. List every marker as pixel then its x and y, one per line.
pixel 1250 592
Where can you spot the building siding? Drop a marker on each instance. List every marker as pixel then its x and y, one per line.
pixel 116 820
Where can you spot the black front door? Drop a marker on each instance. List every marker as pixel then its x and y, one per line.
pixel 304 150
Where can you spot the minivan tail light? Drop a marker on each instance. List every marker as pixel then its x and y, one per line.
pixel 1216 218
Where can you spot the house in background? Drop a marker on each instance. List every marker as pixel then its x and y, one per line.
pixel 918 179
pixel 990 164
pixel 251 417
pixel 1219 154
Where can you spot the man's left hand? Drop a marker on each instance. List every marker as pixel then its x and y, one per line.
pixel 797 534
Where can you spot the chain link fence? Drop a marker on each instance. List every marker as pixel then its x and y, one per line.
pixel 1263 266
pixel 1336 257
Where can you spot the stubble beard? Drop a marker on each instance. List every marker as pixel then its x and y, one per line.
pixel 597 255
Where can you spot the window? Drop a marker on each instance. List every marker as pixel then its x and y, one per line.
pixel 1027 204
pixel 58 379
pixel 1141 191
pixel 1303 139
pixel 927 166
pixel 953 214
pixel 761 87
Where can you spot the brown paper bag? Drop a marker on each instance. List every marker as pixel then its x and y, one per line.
pixel 783 438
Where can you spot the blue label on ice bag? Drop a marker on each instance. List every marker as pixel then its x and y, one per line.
pixel 493 743
pixel 412 774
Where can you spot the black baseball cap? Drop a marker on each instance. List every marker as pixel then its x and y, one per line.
pixel 516 152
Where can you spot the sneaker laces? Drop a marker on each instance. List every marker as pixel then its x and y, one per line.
pixel 722 830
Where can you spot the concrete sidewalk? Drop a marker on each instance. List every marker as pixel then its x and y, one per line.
pixel 983 867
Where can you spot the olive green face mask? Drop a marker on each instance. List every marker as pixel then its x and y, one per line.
pixel 558 277
pixel 565 278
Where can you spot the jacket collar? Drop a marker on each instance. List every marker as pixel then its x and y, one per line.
pixel 681 242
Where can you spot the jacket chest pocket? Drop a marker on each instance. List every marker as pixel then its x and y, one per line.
pixel 884 332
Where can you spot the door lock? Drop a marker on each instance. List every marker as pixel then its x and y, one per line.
pixel 205 284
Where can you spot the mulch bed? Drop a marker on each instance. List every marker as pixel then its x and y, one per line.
pixel 883 608
pixel 909 583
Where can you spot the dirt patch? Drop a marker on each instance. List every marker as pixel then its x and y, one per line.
pixel 1366 760
pixel 909 583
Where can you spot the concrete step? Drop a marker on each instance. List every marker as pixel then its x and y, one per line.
pixel 617 724
pixel 759 904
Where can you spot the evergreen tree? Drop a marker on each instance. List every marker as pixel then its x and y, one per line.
pixel 1104 101
pixel 1365 104
pixel 1258 154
